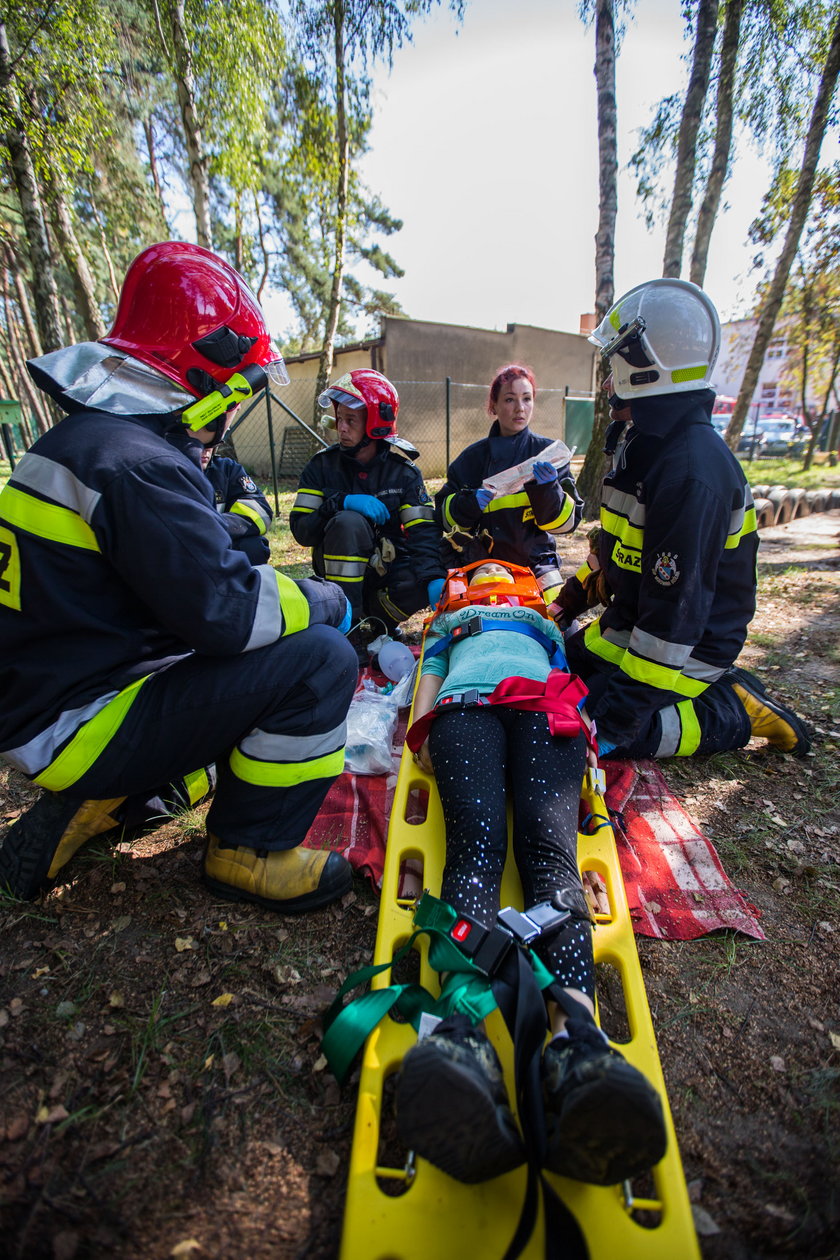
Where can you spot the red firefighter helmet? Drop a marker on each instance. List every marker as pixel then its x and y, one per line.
pixel 370 389
pixel 189 314
pixel 522 592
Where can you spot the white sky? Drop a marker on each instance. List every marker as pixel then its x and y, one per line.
pixel 485 144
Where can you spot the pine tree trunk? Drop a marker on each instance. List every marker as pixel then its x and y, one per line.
pixel 724 115
pixel 148 131
pixel 26 186
pixel 185 86
pixel 594 465
pixel 25 309
pixel 77 264
pixel 325 363
pixel 695 97
pixel 798 215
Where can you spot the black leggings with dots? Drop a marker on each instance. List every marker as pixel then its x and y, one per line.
pixel 481 755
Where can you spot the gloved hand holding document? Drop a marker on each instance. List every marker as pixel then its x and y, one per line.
pixel 510 480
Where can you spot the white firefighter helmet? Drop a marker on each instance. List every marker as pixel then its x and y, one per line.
pixel 662 337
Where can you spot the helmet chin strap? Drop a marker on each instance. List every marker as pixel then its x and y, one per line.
pixel 352 451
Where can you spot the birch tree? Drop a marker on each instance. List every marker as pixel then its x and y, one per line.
pixel 692 112
pixel 723 131
pixel 603 11
pixel 797 215
pixel 341 40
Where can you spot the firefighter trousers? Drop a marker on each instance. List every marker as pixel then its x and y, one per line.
pixel 345 556
pixel 714 721
pixel 272 720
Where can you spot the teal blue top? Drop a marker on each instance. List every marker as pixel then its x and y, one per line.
pixel 481 661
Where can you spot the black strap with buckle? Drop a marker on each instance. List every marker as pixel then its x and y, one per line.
pixel 462 698
pixel 467 628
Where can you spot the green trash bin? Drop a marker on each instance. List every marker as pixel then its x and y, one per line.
pixel 580 413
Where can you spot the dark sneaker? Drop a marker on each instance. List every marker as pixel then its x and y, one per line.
pixel 44 839
pixel 453 1107
pixel 604 1120
pixel 769 719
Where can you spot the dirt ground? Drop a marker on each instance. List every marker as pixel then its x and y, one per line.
pixel 163 1089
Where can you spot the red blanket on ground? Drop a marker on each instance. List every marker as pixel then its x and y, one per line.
pixel 676 886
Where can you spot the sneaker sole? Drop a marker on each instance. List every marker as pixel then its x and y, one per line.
pixel 751 683
pixel 446 1115
pixel 609 1129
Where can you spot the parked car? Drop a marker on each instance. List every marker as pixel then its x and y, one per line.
pixel 780 437
pixel 751 439
pixel 720 424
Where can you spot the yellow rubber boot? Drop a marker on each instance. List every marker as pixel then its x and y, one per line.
pixel 768 719
pixel 45 838
pixel 290 881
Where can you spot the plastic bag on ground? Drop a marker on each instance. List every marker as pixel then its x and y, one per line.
pixel 371 726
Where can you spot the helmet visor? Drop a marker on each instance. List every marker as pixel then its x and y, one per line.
pixel 335 395
pixel 627 343
pixel 276 370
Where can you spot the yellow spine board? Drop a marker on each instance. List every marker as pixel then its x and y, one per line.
pixel 419 1213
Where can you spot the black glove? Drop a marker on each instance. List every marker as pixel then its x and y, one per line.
pixel 327 601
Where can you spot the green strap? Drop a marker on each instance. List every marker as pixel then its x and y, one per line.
pixel 466 989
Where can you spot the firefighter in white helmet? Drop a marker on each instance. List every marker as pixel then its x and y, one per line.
pixel 676 554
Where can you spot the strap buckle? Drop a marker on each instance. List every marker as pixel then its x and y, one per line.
pixel 526 926
pixel 462 698
pixel 485 947
pixel 473 625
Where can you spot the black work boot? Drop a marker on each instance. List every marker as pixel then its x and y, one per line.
pixel 604 1120
pixel 45 838
pixel 453 1107
pixel 769 719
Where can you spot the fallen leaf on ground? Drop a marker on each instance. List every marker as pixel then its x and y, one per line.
pixel 328 1163
pixel 186 1248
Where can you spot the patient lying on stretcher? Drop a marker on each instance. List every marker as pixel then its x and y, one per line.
pixel 496 716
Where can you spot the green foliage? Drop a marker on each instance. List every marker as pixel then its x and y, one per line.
pixel 60 53
pixel 781 51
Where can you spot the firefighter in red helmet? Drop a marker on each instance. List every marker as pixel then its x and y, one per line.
pixel 138 647
pixel 363 508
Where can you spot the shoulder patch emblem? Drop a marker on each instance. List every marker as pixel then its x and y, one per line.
pixel 665 569
pixel 247 484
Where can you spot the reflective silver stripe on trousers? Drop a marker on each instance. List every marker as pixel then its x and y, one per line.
pixel 671 732
pixel 33 757
pixel 265 746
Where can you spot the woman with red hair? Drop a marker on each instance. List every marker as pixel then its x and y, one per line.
pixel 515 527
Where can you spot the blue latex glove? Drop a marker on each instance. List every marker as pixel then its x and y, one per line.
pixel 483 497
pixel 367 505
pixel 433 591
pixel 347 619
pixel 544 472
pixel 605 747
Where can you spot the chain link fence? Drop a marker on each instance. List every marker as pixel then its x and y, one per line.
pixel 278 433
